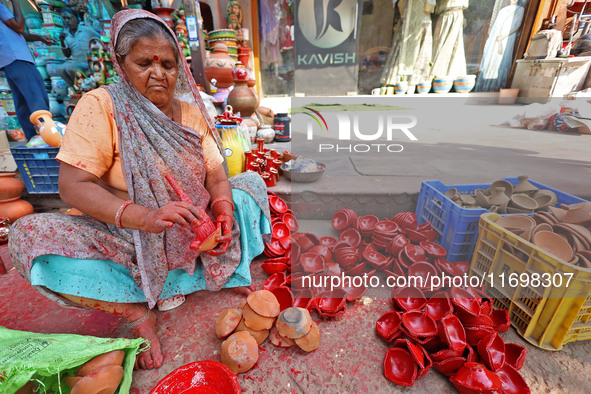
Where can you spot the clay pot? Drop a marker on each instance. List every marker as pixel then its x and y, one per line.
pixel 419 354
pixel 242 99
pixel 311 340
pixel 277 205
pixel 15 208
pixel 400 367
pixel 227 322
pixel 476 333
pixel 343 219
pixel 351 236
pixel 255 321
pixel 105 378
pixel 498 196
pixel 550 242
pixel 10 187
pixel 240 352
pixel 511 381
pixel 452 332
pixel 331 304
pixel 166 15
pixel 524 186
pixel 312 263
pixel 438 306
pixel 449 366
pixel 388 326
pixel 294 323
pixel 475 378
pixel 220 66
pixel 398 242
pixel 491 350
pixel 464 302
pixel 52 132
pixel 264 303
pixel 114 357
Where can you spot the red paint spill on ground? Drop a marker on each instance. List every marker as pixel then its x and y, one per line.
pixel 293 370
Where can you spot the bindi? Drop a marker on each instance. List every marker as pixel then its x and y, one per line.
pixel 155 57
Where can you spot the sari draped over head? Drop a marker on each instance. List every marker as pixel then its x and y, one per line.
pixel 152 146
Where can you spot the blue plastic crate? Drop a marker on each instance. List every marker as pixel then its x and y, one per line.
pixel 38 167
pixel 457 226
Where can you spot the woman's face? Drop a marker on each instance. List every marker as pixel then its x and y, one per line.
pixel 152 69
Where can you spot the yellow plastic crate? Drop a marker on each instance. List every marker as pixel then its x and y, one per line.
pixel 547 314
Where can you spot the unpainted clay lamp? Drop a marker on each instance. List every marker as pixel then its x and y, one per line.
pixel 256 322
pixel 227 322
pixel 240 352
pixel 264 303
pixel 207 232
pixel 294 323
pixel 278 340
pixel 259 336
pixel 105 379
pixel 311 340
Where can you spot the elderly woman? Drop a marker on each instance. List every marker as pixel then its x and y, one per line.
pixel 131 246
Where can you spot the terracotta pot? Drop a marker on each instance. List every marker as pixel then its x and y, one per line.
pixel 242 99
pixel 166 15
pixel 220 66
pixel 10 187
pixel 15 208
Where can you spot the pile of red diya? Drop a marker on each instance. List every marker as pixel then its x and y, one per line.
pixel 265 161
pixel 457 333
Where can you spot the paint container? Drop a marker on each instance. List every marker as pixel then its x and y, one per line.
pixel 282 127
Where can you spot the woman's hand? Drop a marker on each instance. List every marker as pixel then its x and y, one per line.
pixel 173 212
pixel 224 239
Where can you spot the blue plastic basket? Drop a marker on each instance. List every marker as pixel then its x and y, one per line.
pixel 38 167
pixel 457 226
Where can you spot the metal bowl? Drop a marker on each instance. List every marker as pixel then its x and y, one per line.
pixel 303 177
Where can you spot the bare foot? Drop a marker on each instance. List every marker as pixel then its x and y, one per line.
pixel 152 357
pixel 244 290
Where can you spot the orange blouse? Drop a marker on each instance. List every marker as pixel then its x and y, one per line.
pixel 91 141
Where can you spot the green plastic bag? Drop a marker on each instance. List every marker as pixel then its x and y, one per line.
pixel 47 358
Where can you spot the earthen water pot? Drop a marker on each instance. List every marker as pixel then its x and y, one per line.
pixel 10 187
pixel 278 340
pixel 240 352
pixel 220 66
pixel 227 322
pixel 264 303
pixel 388 326
pixel 311 340
pixel 515 355
pixel 438 306
pixel 491 350
pixel 242 99
pixel 432 249
pixel 15 208
pixel 511 381
pixel 276 280
pixel 284 296
pixel 451 331
pixel 475 378
pixel 255 321
pixel 294 323
pixel 114 357
pixel 400 367
pixel 418 324
pixel 106 378
pixel 408 298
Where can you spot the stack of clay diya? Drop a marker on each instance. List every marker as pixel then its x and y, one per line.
pixel 102 374
pixel 265 161
pixel 457 333
pixel 259 318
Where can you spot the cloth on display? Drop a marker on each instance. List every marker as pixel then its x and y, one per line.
pixel 449 57
pixel 47 358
